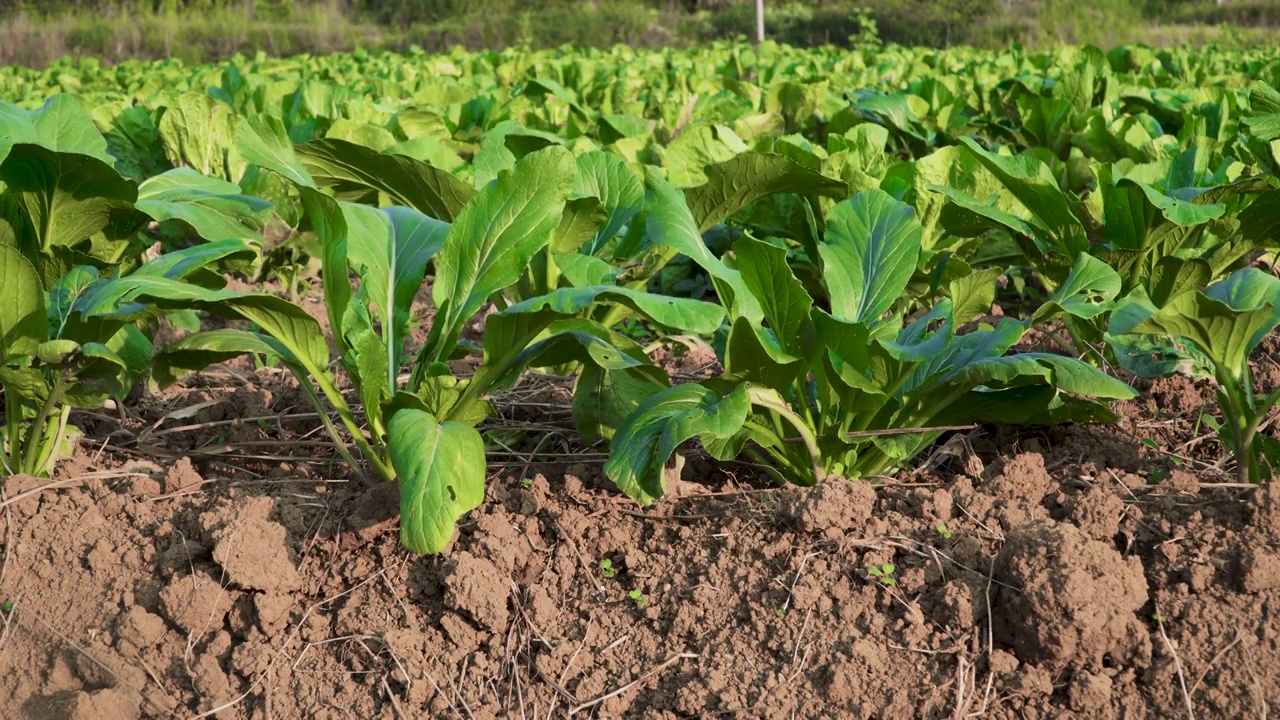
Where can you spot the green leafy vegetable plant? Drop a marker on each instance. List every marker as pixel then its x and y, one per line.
pixel 421 426
pixel 1163 226
pixel 78 343
pixel 851 390
pixel 1210 333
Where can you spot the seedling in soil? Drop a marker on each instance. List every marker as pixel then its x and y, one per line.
pixel 638 598
pixel 606 569
pixel 883 573
pixel 7 607
pixel 1151 443
pixel 943 531
pixel 526 483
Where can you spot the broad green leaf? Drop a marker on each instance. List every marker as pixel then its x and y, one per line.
pixel 66 198
pixel 582 220
pixel 330 225
pixel 783 299
pixel 1173 276
pixel 1223 330
pixel 494 155
pixel 444 396
pixel 28 382
pixel 1260 222
pixel 965 216
pixel 1250 290
pixel 441 470
pixel 870 251
pixel 607 177
pixel 1033 184
pixel 670 225
pixel 735 183
pixel 288 324
pixel 23 322
pixel 389 250
pixel 198 351
pixel 135 350
pixel 56 351
pixel 63 295
pixel 698 147
pixel 435 153
pixel 575 340
pixel 973 295
pixel 942 362
pixel 683 314
pixel 1064 373
pixel 363 134
pixel 603 399
pixel 198 132
pixel 263 141
pixel 1089 290
pixel 497 234
pixel 368 359
pixel 215 209
pixel 1180 212
pixel 408 182
pixel 645 441
pixel 755 354
pixel 581 270
pixel 950 167
pixel 180 264
pixel 1263 118
pixel 61 125
pixel 100 372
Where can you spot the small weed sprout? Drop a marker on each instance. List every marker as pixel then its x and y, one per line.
pixel 638 597
pixel 607 570
pixel 943 531
pixel 883 573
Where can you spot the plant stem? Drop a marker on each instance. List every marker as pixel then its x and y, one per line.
pixel 340 406
pixel 552 271
pixel 763 398
pixel 779 465
pixel 44 461
pixel 13 407
pixel 37 437
pixel 1240 422
pixel 615 315
pixel 338 442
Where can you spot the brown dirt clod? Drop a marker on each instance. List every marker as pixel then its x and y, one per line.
pixel 835 506
pixel 1076 601
pixel 197 604
pixel 251 549
pixel 478 588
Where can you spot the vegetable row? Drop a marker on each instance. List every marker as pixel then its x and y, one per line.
pixel 847 287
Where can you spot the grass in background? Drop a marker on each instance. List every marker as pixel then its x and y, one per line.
pixel 217 29
pixel 115 34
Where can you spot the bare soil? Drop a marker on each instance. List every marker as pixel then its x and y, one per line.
pixel 203 555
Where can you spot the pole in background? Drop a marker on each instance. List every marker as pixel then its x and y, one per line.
pixel 759 21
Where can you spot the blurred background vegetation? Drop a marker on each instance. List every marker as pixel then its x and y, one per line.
pixel 36 32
